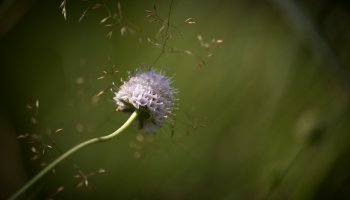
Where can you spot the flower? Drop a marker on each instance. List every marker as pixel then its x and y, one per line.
pixel 151 94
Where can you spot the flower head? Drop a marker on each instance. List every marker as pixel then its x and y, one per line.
pixel 151 94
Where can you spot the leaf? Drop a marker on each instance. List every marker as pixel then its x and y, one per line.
pixel 188 19
pixel 33 149
pixel 59 189
pixel 86 182
pixel 37 103
pixel 80 184
pixel 119 6
pixel 188 52
pixel 82 16
pixel 63 4
pixel 22 136
pixel 104 20
pixel 64 12
pixel 123 31
pixel 100 93
pixel 109 34
pixel 59 130
pixel 101 171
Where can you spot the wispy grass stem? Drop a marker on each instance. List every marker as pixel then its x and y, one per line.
pixel 70 152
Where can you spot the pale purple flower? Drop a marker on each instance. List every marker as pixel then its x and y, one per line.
pixel 149 92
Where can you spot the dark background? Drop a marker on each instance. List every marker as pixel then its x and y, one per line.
pixel 266 117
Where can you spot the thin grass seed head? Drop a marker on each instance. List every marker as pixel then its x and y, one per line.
pixel 150 93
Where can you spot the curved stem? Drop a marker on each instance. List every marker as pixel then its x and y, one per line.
pixel 70 152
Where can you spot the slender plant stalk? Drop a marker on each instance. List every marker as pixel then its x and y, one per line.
pixel 70 152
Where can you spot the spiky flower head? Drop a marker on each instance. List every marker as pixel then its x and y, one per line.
pixel 150 93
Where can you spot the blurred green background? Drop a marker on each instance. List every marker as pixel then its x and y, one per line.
pixel 266 117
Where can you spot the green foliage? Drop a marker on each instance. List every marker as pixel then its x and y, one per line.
pixel 260 113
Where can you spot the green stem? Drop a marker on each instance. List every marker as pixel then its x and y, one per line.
pixel 70 152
